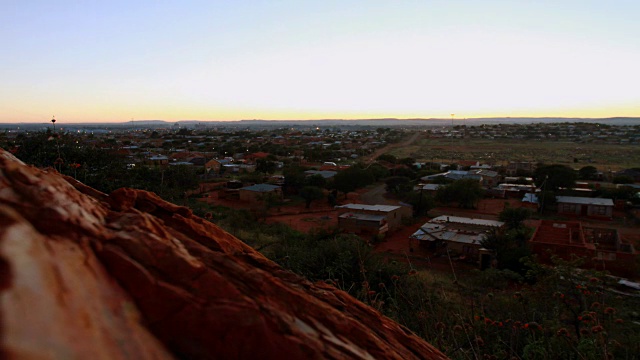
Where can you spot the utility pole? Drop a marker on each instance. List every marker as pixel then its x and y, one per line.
pixel 542 194
pixel 451 136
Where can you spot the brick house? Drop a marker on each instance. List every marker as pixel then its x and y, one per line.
pixel 459 235
pixel 601 248
pixel 596 208
pixel 371 219
pixel 254 193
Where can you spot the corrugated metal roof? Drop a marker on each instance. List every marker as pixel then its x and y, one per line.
pixel 468 221
pixel 584 200
pixel 324 173
pixel 360 216
pixel 433 232
pixel 383 208
pixel 261 187
pixel 444 228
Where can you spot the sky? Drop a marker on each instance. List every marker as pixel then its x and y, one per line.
pixel 98 61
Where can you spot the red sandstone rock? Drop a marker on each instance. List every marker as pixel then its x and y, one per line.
pixel 127 275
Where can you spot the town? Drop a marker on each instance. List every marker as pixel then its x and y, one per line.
pixel 483 212
pixel 347 178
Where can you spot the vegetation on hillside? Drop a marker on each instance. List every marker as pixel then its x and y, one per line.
pixel 543 313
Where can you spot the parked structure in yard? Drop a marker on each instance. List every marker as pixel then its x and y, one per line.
pixel 254 193
pixel 596 208
pixel 601 248
pixel 459 235
pixel 371 219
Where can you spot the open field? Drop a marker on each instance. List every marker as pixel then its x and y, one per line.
pixel 499 152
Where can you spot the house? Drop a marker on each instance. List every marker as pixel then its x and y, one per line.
pixel 255 156
pixel 596 208
pixel 327 174
pixel 530 198
pixel 198 160
pixel 516 190
pixel 516 179
pixel 487 178
pixel 452 175
pixel 518 168
pixel 479 166
pixel 157 160
pixel 459 235
pixel 371 219
pixel 254 193
pixel 238 168
pixel 215 165
pixel 429 189
pixel 601 248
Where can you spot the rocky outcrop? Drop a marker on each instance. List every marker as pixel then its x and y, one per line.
pixel 127 275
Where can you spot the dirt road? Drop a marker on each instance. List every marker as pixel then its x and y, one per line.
pixel 375 196
pixel 410 140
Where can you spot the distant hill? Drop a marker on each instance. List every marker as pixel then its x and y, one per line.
pixel 421 122
pixel 383 122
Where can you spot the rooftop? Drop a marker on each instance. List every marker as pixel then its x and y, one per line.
pixel 584 200
pixel 456 229
pixel 324 173
pixel 382 208
pixel 261 187
pixel 467 221
pixel 364 217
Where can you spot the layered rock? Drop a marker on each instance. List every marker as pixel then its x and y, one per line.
pixel 127 275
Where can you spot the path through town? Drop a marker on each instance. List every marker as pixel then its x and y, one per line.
pixel 410 140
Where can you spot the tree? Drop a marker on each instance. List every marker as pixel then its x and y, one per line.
pixel 311 193
pixel 398 184
pixel 269 200
pixel 294 178
pixel 421 203
pixel 404 171
pixel 388 158
pixel 588 172
pixel 466 192
pixel 509 247
pixel 623 179
pixel 316 180
pixel 408 161
pixel 265 166
pixel 514 217
pixel 351 179
pixel 255 177
pixel 442 180
pixel 555 176
pixel 378 171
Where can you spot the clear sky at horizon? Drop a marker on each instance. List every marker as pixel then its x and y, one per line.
pixel 90 61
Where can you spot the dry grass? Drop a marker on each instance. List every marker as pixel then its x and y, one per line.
pixel 602 156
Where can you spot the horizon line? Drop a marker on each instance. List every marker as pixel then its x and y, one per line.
pixel 333 119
